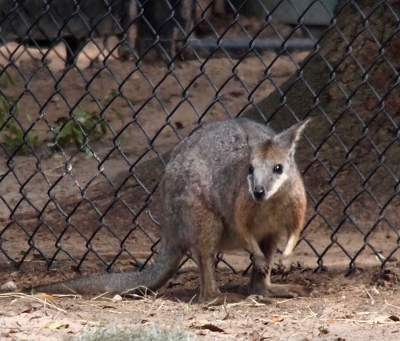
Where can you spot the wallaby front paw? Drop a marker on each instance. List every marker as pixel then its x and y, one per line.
pixel 284 265
pixel 225 298
pixel 262 266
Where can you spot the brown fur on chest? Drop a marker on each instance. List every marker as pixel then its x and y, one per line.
pixel 260 219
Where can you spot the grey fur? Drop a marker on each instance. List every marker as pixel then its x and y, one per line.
pixel 209 205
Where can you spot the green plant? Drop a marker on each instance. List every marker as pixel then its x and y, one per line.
pixel 114 333
pixel 12 135
pixel 80 129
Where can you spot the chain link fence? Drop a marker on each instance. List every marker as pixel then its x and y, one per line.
pixel 95 93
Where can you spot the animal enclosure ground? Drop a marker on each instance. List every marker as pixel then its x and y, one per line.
pixel 351 308
pixel 361 307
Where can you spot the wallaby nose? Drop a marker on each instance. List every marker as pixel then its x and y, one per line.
pixel 259 192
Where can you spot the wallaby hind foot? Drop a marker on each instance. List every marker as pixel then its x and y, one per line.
pixel 225 298
pixel 282 290
pixel 260 284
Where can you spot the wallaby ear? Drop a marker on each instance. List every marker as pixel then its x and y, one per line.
pixel 289 137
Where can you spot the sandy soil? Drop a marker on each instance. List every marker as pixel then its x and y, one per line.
pixel 360 307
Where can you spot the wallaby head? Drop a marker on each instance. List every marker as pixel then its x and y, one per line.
pixel 272 162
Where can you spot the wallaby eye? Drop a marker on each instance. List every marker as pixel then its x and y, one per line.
pixel 278 169
pixel 251 169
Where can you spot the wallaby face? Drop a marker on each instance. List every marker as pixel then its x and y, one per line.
pixel 272 163
pixel 268 170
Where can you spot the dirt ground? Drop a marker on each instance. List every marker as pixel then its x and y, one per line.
pixel 360 307
pixel 157 105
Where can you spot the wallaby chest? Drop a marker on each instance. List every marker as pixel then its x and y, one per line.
pixel 257 219
pixel 269 218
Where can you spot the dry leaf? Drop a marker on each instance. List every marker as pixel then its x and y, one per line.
pixel 394 318
pixel 117 298
pixel 277 319
pixel 213 328
pixel 106 306
pixel 128 262
pixel 134 263
pixel 323 330
pixel 8 287
pixel 226 317
pixel 28 310
pixel 255 336
pixel 56 325
pixel 44 297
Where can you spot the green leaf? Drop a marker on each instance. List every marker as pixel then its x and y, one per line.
pixel 103 127
pixel 134 101
pixel 29 118
pixel 118 114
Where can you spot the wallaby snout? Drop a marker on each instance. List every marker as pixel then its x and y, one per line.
pixel 259 193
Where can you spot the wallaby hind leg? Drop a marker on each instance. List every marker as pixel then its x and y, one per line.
pixel 261 284
pixel 208 232
pixel 209 290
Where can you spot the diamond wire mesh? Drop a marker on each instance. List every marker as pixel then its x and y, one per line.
pixel 85 136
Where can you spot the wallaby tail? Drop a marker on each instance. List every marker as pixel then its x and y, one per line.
pixel 152 277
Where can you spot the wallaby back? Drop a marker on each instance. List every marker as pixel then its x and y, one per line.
pixel 230 185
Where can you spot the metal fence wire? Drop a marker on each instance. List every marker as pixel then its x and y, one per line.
pixel 95 93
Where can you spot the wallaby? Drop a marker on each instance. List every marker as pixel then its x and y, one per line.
pixel 229 185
